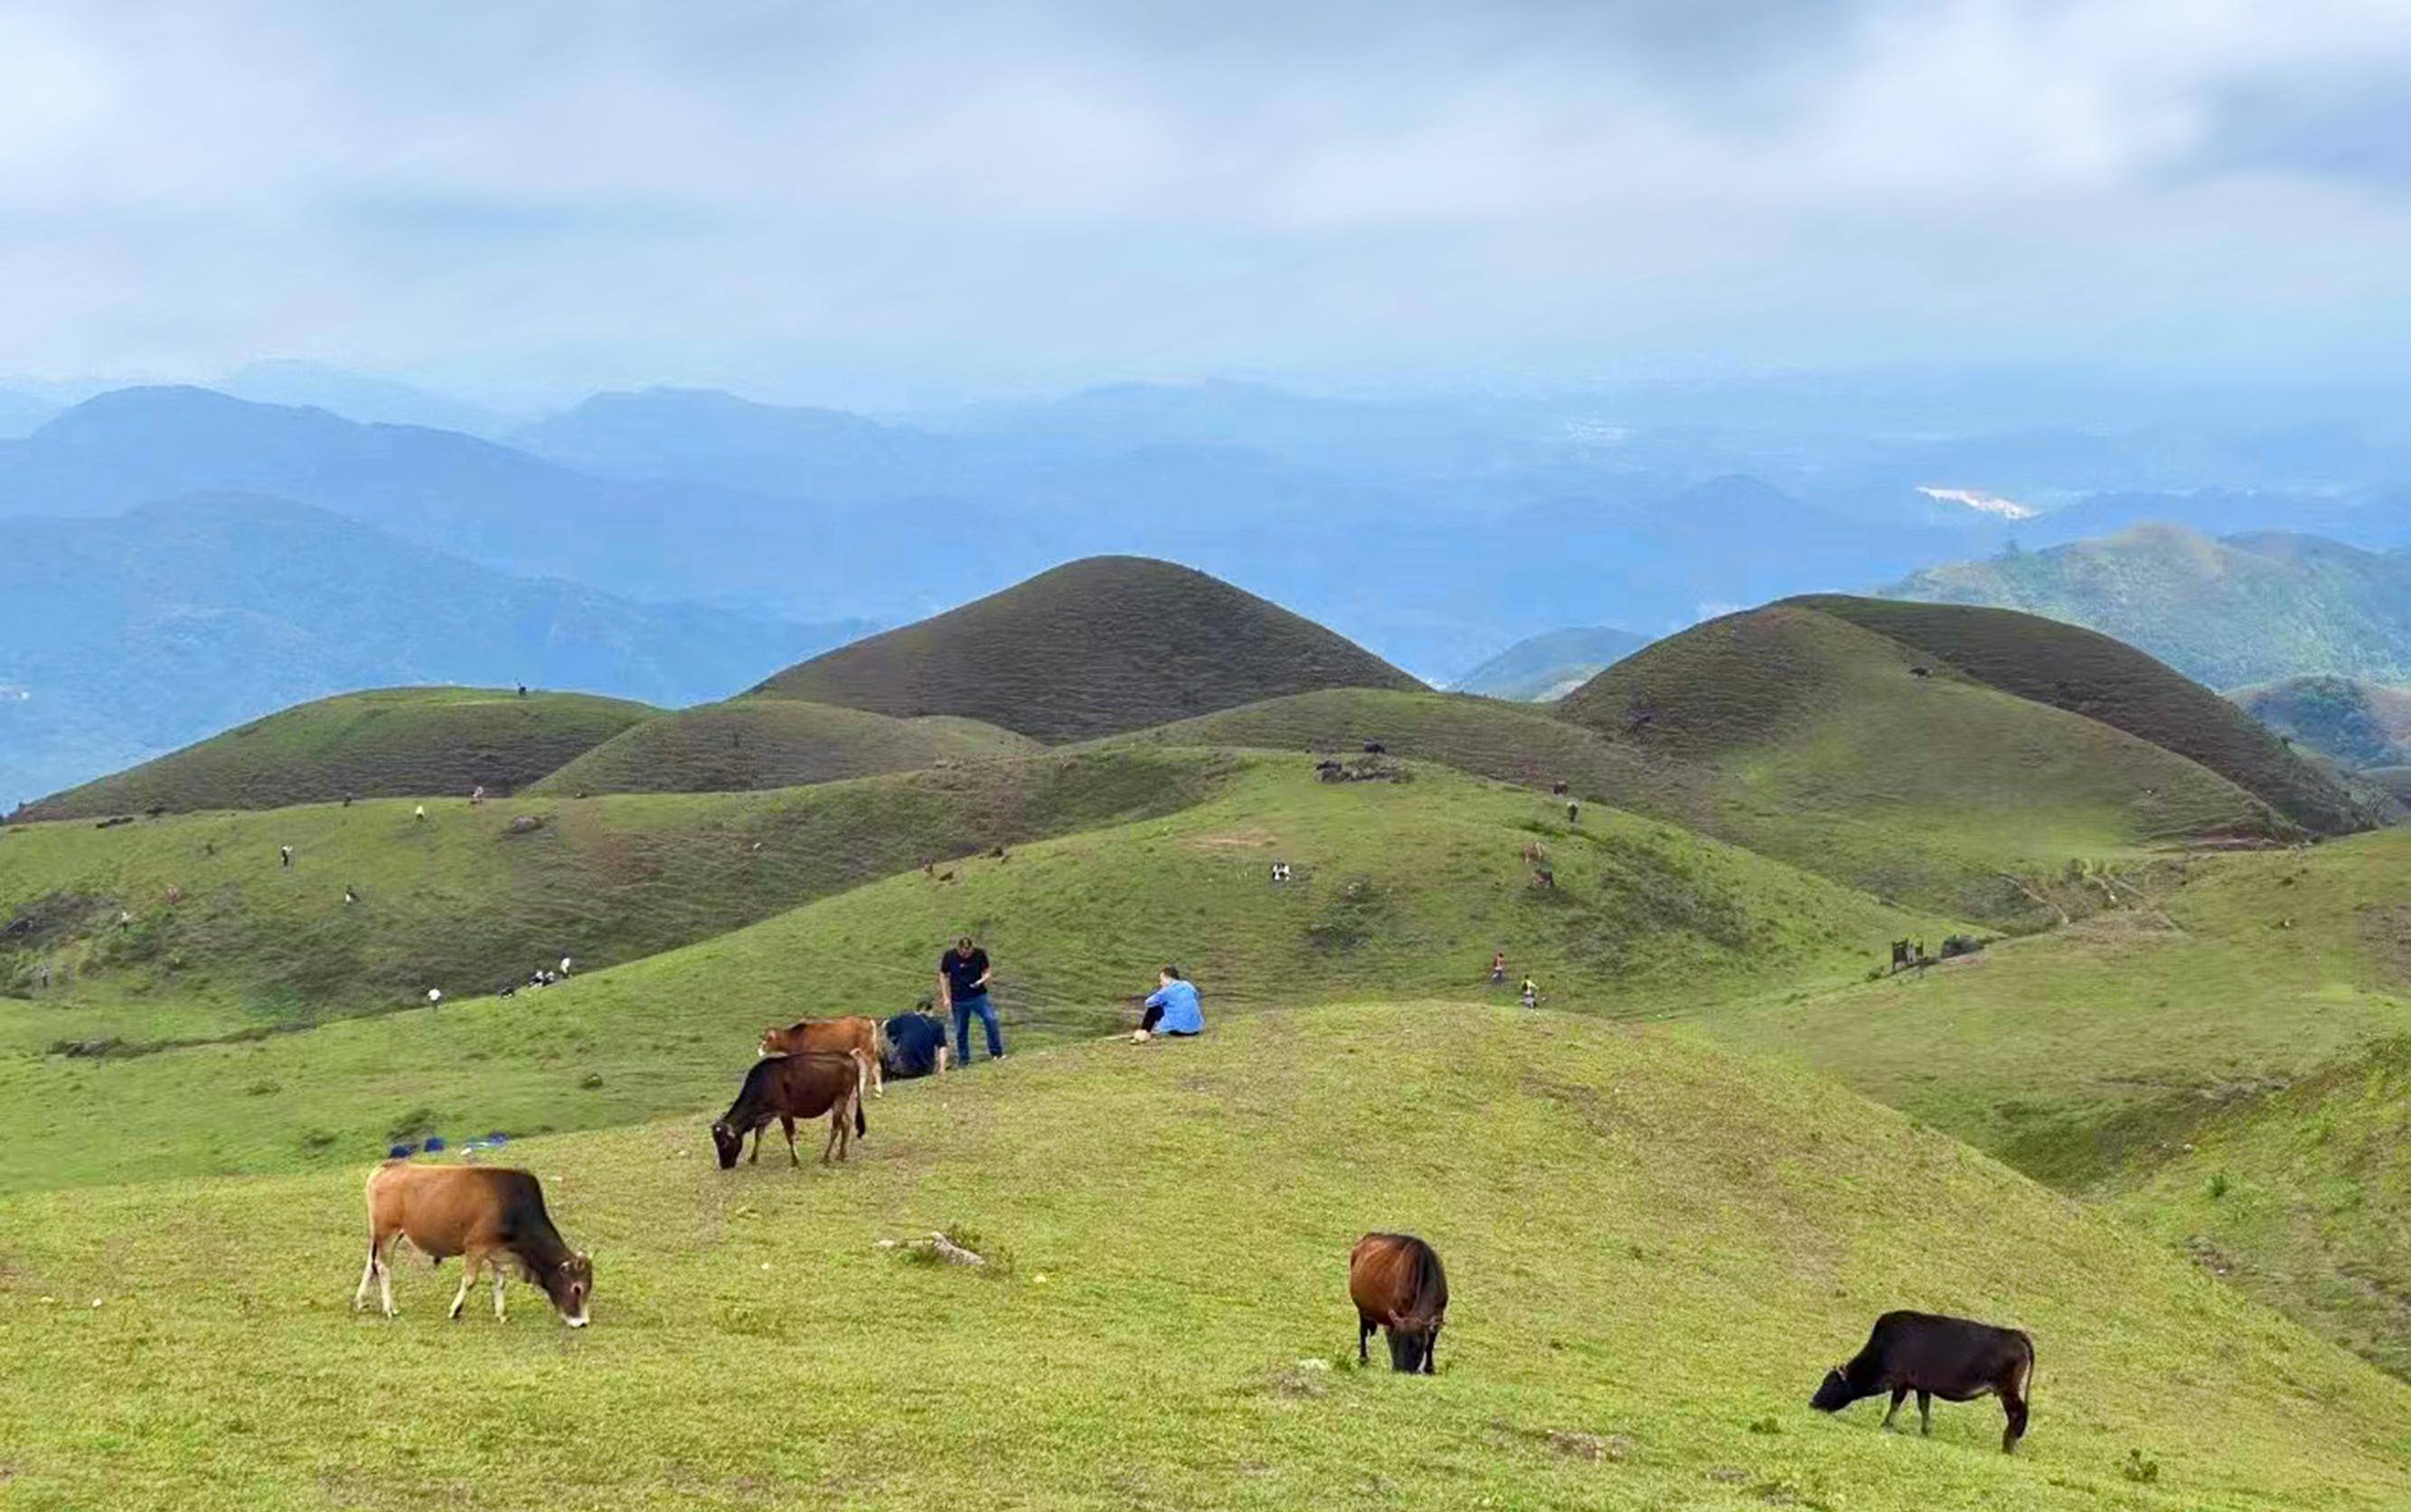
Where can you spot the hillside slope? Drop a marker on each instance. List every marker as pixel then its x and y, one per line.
pixel 1818 738
pixel 753 743
pixel 2087 673
pixel 1403 887
pixel 388 743
pixel 1642 1300
pixel 2296 1197
pixel 1550 666
pixel 2352 720
pixel 2246 610
pixel 1091 648
pixel 222 939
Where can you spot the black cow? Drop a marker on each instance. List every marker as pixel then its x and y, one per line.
pixel 1949 1358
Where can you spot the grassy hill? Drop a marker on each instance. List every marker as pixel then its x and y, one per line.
pixel 2090 673
pixel 1401 888
pixel 1817 740
pixel 754 743
pixel 2298 1198
pixel 2352 720
pixel 1551 665
pixel 391 742
pixel 1091 648
pixel 2095 1052
pixel 1643 1297
pixel 2246 610
pixel 473 897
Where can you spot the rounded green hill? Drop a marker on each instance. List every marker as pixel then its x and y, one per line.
pixel 389 742
pixel 1091 648
pixel 757 742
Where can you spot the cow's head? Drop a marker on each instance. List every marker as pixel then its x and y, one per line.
pixel 774 1041
pixel 569 1283
pixel 1833 1392
pixel 729 1140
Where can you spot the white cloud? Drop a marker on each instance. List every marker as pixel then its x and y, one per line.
pixel 684 190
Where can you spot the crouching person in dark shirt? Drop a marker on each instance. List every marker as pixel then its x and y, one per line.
pixel 916 1044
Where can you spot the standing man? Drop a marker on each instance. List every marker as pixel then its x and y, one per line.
pixel 962 986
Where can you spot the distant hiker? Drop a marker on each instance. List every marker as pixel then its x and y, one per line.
pixel 124 919
pixel 1899 954
pixel 477 794
pixel 434 996
pixel 176 895
pixel 347 800
pixel 351 895
pixel 1557 788
pixel 420 813
pixel 1497 968
pixel 522 689
pixel 1172 1009
pixel 1573 813
pixel 1531 993
pixel 963 975
pixel 565 965
pixel 915 1043
pixel 285 851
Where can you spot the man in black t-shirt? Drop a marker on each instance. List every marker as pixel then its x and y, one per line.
pixel 962 986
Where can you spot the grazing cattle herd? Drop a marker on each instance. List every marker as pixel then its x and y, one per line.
pixel 495 1221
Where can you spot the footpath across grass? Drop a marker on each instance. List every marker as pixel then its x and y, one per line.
pixel 1655 1249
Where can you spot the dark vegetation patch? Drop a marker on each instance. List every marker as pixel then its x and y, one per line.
pixel 754 743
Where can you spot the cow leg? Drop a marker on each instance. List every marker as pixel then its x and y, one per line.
pixel 878 1076
pixel 1899 1395
pixel 367 1274
pixel 469 1264
pixel 501 1277
pixel 787 1127
pixel 1925 1413
pixel 1363 1332
pixel 384 1275
pixel 1431 1347
pixel 756 1158
pixel 2014 1405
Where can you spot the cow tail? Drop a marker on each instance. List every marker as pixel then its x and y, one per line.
pixel 878 1046
pixel 861 1127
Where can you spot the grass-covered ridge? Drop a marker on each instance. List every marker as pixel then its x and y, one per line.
pixel 2093 1053
pixel 2087 673
pixel 1401 888
pixel 222 939
pixel 1817 739
pixel 1094 646
pixel 392 742
pixel 2351 721
pixel 1653 1248
pixel 748 744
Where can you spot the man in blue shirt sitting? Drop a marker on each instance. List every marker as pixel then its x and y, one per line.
pixel 916 1044
pixel 1171 1009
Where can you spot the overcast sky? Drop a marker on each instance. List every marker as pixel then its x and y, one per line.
pixel 877 201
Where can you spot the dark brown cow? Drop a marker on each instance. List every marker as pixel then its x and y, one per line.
pixel 1932 1355
pixel 1396 1283
pixel 786 1088
pixel 492 1217
pixel 865 1038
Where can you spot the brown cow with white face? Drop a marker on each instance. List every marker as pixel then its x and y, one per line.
pixel 865 1038
pixel 493 1218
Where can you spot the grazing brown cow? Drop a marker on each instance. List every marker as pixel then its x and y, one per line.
pixel 1934 1356
pixel 860 1036
pixel 492 1217
pixel 1396 1283
pixel 786 1088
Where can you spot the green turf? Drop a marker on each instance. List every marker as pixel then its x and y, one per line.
pixel 461 902
pixel 2300 1199
pixel 388 743
pixel 1091 647
pixel 1653 1249
pixel 2096 1050
pixel 1819 741
pixel 1404 888
pixel 2090 673
pixel 753 743
pixel 2353 721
